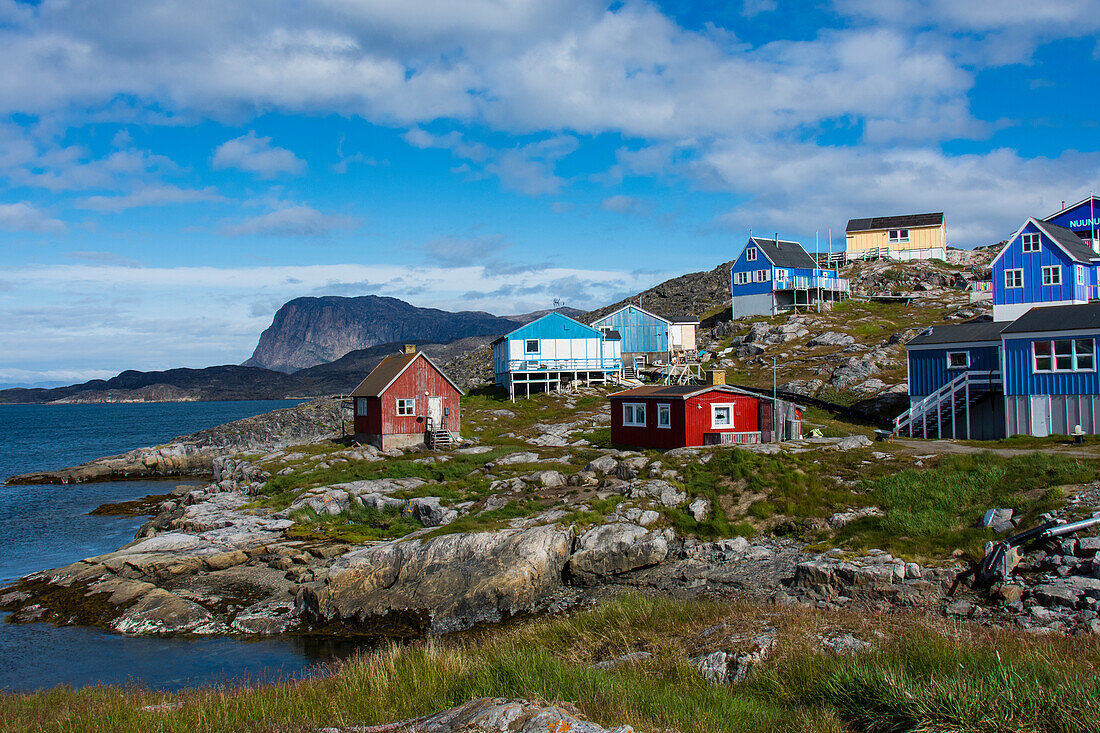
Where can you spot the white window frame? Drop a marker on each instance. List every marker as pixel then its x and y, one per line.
pixel 761 276
pixel 1015 275
pixel 956 353
pixel 406 407
pixel 715 407
pixel 632 410
pixel 741 278
pixel 360 406
pixel 1031 242
pixel 1080 274
pixel 664 409
pixel 781 274
pixel 527 346
pixel 1054 272
pixel 1075 356
pixel 750 254
pixel 898 236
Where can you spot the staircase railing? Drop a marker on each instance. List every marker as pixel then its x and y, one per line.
pixel 968 385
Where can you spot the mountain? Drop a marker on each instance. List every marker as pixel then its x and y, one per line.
pixel 310 331
pixel 525 318
pixel 697 294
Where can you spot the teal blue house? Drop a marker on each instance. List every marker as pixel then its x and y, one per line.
pixel 649 335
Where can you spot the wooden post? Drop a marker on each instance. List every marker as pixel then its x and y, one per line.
pixel 968 409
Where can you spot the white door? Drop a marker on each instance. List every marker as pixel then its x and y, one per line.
pixel 1040 415
pixel 435 411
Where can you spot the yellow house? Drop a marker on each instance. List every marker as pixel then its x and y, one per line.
pixel 909 237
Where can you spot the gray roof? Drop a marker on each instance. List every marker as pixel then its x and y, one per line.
pixel 1057 318
pixel 958 333
pixel 875 223
pixel 1074 245
pixel 784 253
pixel 388 370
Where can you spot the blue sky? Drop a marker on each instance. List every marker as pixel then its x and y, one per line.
pixel 172 171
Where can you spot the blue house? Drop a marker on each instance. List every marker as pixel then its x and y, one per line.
pixel 1034 376
pixel 1042 264
pixel 544 353
pixel 1081 218
pixel 774 275
pixel 647 335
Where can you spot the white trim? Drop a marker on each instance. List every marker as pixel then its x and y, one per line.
pixel 1072 206
pixel 955 345
pixel 890 239
pixel 745 275
pixel 634 414
pixel 527 346
pixel 753 251
pixel 1014 270
pixel 406 404
pixel 419 355
pixel 761 276
pixel 1053 356
pixel 1039 224
pixel 963 366
pixel 1080 271
pixel 714 407
pixel 1036 240
pixel 666 408
pixel 1055 272
pixel 635 307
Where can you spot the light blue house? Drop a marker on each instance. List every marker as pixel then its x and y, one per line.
pixel 1034 376
pixel 774 275
pixel 552 350
pixel 1042 264
pixel 648 335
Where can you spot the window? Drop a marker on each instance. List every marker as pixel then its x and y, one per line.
pixel 361 407
pixel 406 407
pixel 761 276
pixel 1014 278
pixel 958 359
pixel 1052 275
pixel 721 416
pixel 750 254
pixel 531 346
pixel 1064 355
pixel 634 414
pixel 781 275
pixel 740 278
pixel 897 236
pixel 664 416
pixel 1080 274
pixel 1031 242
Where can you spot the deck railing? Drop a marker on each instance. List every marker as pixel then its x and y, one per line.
pixel 564 365
pixel 746 438
pixel 802 282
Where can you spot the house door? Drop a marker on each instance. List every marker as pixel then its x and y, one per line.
pixel 435 411
pixel 1040 415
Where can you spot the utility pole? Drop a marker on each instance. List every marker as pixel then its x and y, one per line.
pixel 774 393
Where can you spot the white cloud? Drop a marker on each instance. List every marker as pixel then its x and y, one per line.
pixel 257 155
pixel 296 220
pixel 23 217
pixel 621 204
pixel 150 196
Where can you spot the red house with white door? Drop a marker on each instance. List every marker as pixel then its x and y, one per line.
pixel 680 416
pixel 407 400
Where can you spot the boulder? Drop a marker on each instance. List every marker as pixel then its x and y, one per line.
pixel 611 549
pixel 603 464
pixel 161 612
pixel 428 511
pixel 664 492
pixel 699 509
pixel 831 338
pixel 513 458
pixel 728 668
pixel 994 517
pixel 446 583
pixel 548 479
pixel 845 644
pixel 851 442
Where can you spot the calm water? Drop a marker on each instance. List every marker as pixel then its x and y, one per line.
pixel 47 526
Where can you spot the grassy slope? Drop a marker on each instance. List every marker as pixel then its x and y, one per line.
pixel 920 674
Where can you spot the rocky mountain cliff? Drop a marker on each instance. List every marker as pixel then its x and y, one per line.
pixel 310 331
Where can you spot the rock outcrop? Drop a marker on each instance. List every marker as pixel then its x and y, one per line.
pixel 491 715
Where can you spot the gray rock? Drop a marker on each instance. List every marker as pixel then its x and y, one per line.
pixel 729 668
pixel 831 338
pixel 428 511
pixel 473 450
pixel 664 492
pixel 603 464
pixel 648 517
pixel 513 458
pixel 1088 546
pixel 162 612
pixel 621 660
pixel 852 442
pixel 548 479
pixel 960 608
pixel 845 644
pixel 699 509
pixel 842 519
pixel 995 516
pixel 611 549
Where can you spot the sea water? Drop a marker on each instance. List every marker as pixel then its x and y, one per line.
pixel 48 526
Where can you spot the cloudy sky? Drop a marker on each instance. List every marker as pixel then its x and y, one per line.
pixel 171 171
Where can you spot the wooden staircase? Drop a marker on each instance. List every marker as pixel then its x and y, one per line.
pixel 439 438
pixel 946 412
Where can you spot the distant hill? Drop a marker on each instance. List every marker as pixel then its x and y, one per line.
pixel 524 318
pixel 310 331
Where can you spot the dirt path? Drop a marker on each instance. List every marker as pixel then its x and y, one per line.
pixel 940 447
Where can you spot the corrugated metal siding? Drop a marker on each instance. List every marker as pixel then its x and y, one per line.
pixel 1032 263
pixel 697 417
pixel 553 326
pixel 928 367
pixel 641 332
pixel 1020 380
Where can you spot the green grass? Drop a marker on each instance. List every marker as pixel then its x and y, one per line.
pixel 934 511
pixel 356 525
pixel 921 675
pixel 490 520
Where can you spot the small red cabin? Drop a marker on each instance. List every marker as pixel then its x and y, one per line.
pixel 676 417
pixel 407 400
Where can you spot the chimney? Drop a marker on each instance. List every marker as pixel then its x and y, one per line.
pixel 715 377
pixel 409 349
pixel 777 240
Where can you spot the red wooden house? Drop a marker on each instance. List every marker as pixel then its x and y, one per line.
pixel 675 417
pixel 407 400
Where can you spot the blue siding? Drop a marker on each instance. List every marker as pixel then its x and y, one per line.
pixel 1081 219
pixel 1021 380
pixel 1032 263
pixel 743 265
pixel 641 331
pixel 553 326
pixel 928 367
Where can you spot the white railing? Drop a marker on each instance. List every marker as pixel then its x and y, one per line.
pixel 564 365
pixel 963 385
pixel 747 438
pixel 803 282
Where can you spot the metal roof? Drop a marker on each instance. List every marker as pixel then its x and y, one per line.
pixel 1057 318
pixel 875 223
pixel 612 336
pixel 387 372
pixel 681 392
pixel 957 333
pixel 1074 206
pixel 1074 246
pixel 783 253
